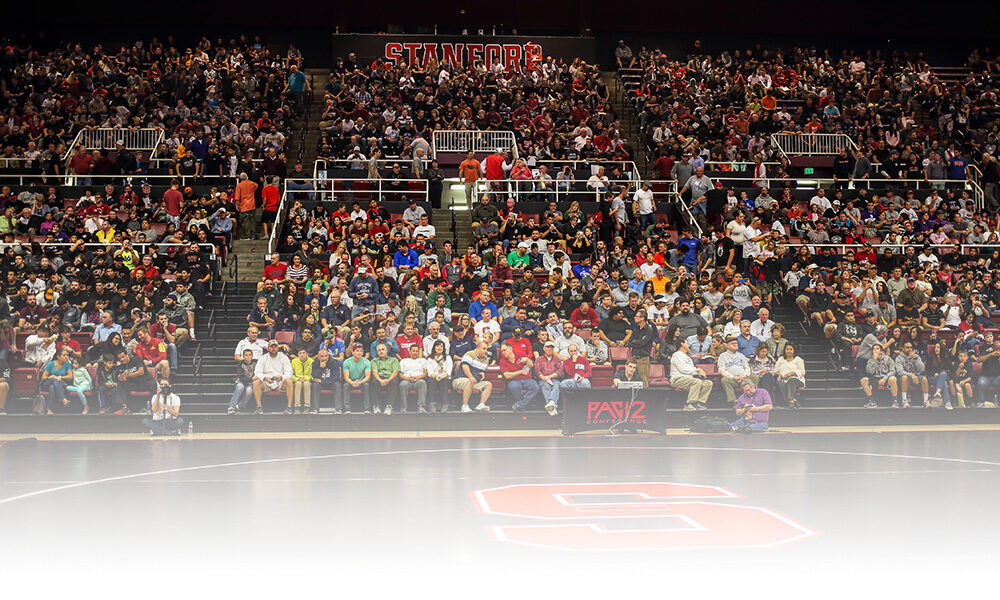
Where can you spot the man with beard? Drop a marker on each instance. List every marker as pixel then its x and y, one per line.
pixel 686 321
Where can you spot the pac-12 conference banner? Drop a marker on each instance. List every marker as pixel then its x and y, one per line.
pixel 515 53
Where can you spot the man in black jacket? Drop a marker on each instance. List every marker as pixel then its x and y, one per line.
pixel 641 343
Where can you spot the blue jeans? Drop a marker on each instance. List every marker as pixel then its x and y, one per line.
pixel 523 391
pixel 105 395
pixel 56 391
pixel 941 385
pixel 242 395
pixel 172 355
pixel 304 186
pixel 572 384
pixel 550 391
pixel 647 220
pixel 344 402
pixel 163 426
pixel 982 383
pixel 750 424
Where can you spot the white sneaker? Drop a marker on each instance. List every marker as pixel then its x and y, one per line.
pixel 948 406
pixel 388 410
pixel 378 410
pixel 466 409
pixel 550 406
pixel 482 407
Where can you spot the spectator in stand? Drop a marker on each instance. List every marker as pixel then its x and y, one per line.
pixel 881 370
pixel 357 371
pixel 55 376
pixel 753 409
pixel 550 372
pixel 517 371
pixel 244 381
pixel 684 375
pixel 273 373
pixel 412 375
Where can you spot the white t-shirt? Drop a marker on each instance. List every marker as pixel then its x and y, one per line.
pixel 258 347
pixel 427 231
pixel 359 214
pixel 644 201
pixel 736 231
pixel 412 367
pixel 491 326
pixel 750 247
pixel 171 401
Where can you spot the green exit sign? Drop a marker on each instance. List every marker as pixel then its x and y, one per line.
pixel 810 170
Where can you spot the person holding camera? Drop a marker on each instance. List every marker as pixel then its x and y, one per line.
pixel 166 408
pixel 753 408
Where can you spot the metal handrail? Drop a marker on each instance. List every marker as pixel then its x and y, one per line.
pixel 278 224
pixel 104 138
pixel 844 247
pixel 811 144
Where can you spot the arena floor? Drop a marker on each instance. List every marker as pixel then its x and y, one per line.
pixel 759 515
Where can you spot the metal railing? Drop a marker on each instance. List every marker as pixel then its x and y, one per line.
pixel 105 138
pixel 477 141
pixel 279 223
pixel 812 144
pixel 97 180
pixel 844 247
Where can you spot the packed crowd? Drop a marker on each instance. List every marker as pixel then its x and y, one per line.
pixel 220 104
pixel 558 111
pixel 724 107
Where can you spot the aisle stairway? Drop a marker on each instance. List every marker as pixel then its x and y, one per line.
pixel 825 387
pixel 629 122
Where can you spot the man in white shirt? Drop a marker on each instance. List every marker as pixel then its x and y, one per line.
pixel 761 327
pixel 272 373
pixel 252 343
pixel 166 408
pixel 684 375
pixel 568 337
pixel 752 236
pixel 424 228
pixel 644 205
pixel 412 375
pixel 433 335
pixel 821 199
pixel 40 347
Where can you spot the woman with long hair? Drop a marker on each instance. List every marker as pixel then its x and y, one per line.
pixel 790 374
pixel 938 369
pixel 55 376
pixel 439 369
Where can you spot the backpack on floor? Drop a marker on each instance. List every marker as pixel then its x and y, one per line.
pixel 710 425
pixel 38 405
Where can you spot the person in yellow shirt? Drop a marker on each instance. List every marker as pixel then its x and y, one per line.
pixel 106 234
pixel 659 281
pixel 302 380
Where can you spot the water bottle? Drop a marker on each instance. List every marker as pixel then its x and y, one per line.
pixel 190 428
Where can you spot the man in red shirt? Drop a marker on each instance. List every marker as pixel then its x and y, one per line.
pixel 409 338
pixel 66 341
pixel 517 372
pixel 165 330
pixel 584 316
pixel 497 166
pixel 81 164
pixel 272 198
pixel 520 344
pixel 276 270
pixel 175 202
pixel 153 352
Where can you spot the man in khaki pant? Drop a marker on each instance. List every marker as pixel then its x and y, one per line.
pixel 684 375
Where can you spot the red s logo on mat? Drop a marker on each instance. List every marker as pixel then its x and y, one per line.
pixel 593 517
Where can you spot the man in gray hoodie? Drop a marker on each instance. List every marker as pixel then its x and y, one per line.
pixel 910 372
pixel 882 370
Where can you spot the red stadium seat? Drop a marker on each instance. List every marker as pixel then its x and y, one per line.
pixel 658 375
pixel 620 355
pixel 602 376
pixel 284 337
